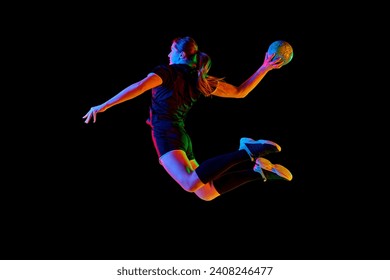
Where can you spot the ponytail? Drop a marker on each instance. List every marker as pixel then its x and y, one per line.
pixel 200 61
pixel 206 83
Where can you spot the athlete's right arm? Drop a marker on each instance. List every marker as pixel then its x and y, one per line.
pixel 130 92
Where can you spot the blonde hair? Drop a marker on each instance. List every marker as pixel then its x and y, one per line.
pixel 201 61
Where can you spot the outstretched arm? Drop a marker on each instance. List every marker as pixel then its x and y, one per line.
pixel 228 90
pixel 130 92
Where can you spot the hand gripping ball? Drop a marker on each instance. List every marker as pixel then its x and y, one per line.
pixel 281 49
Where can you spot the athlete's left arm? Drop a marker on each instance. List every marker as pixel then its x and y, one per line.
pixel 227 90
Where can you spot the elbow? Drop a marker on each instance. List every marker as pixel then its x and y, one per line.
pixel 241 94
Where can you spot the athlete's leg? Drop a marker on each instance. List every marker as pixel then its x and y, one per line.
pixel 263 170
pixel 182 170
pixel 208 191
pixel 177 164
pixel 179 167
pixel 192 177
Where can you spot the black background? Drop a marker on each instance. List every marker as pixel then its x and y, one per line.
pixel 97 191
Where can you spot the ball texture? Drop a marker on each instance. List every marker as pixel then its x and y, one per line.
pixel 281 49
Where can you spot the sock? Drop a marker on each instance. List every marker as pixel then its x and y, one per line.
pixel 212 168
pixel 232 180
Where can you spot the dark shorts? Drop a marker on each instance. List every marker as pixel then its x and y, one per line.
pixel 168 137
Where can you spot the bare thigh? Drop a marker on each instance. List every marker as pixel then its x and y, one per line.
pixel 182 170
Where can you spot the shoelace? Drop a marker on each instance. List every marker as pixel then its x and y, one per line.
pixel 261 172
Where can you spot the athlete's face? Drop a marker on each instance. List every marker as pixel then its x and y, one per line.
pixel 175 57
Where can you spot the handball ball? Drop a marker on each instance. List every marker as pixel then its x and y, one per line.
pixel 282 49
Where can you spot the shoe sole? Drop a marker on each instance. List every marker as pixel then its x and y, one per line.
pixel 277 169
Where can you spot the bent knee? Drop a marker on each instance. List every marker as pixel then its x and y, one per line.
pixel 192 184
pixel 207 197
pixel 207 193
